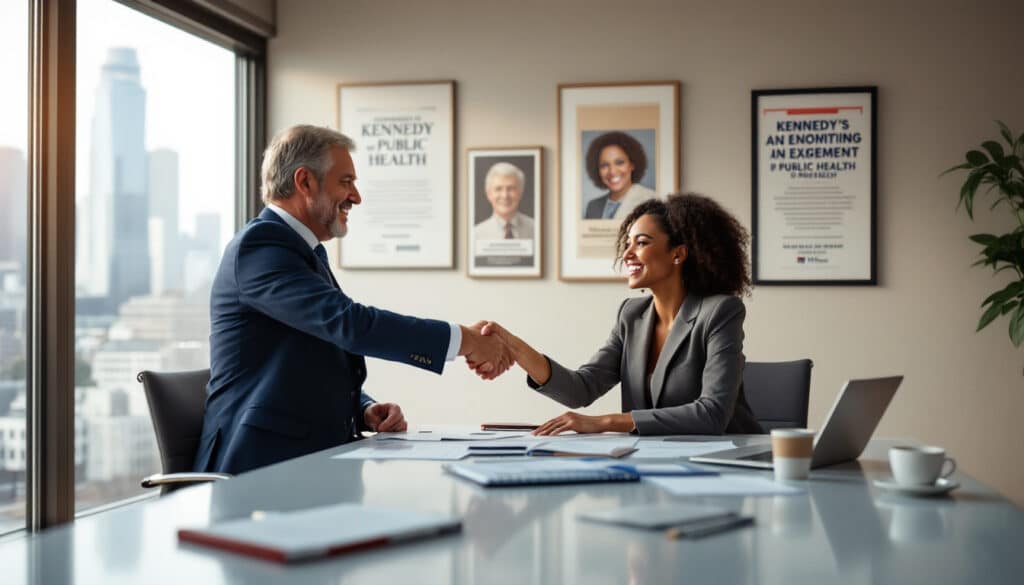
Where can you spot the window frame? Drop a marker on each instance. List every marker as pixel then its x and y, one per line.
pixel 50 424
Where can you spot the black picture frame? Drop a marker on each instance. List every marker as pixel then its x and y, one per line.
pixel 835 203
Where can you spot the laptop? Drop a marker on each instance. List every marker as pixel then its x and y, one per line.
pixel 847 430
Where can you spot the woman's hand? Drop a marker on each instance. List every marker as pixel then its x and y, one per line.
pixel 529 359
pixel 581 423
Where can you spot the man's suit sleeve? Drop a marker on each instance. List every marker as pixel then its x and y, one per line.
pixel 275 279
pixel 711 412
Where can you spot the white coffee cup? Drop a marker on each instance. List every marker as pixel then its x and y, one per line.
pixel 791 453
pixel 919 465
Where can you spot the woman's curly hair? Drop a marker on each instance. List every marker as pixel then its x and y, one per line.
pixel 716 243
pixel 631 146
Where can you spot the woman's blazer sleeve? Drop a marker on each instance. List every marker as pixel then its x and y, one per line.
pixel 721 378
pixel 581 387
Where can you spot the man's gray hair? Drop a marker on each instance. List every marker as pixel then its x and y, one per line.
pixel 504 169
pixel 294 148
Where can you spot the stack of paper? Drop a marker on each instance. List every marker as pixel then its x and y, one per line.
pixel 656 516
pixel 723 485
pixel 431 436
pixel 433 450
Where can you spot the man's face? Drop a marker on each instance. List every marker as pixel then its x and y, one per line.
pixel 338 193
pixel 504 194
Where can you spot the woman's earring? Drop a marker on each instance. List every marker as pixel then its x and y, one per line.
pixel 677 261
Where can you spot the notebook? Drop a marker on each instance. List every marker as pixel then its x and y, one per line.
pixel 548 471
pixel 319 532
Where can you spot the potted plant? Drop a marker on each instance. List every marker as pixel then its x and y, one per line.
pixel 1001 170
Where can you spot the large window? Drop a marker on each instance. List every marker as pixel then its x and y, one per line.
pixel 155 206
pixel 13 246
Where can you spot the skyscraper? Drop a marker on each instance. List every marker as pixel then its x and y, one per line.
pixel 14 217
pixel 163 207
pixel 113 258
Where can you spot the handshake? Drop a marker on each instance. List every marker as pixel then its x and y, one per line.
pixel 490 350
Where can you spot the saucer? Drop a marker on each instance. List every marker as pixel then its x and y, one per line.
pixel 941 486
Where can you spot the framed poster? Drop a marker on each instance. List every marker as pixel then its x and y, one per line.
pixel 618 145
pixel 404 159
pixel 505 212
pixel 813 185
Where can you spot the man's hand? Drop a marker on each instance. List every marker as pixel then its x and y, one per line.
pixel 385 417
pixel 488 356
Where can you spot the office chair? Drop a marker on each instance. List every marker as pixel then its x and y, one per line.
pixel 778 392
pixel 177 401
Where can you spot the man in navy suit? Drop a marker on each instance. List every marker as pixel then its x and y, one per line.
pixel 286 343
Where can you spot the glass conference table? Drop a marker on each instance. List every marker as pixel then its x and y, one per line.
pixel 843 529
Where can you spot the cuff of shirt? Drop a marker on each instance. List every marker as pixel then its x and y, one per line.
pixel 454 342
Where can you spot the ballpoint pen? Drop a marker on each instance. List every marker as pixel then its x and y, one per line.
pixel 698 530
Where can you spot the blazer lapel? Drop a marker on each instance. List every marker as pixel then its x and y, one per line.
pixel 636 359
pixel 681 328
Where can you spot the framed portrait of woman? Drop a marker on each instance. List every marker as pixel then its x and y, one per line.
pixel 618 145
pixel 505 212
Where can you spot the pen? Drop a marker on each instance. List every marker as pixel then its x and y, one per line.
pixel 709 528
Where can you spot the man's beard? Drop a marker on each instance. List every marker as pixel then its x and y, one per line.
pixel 326 212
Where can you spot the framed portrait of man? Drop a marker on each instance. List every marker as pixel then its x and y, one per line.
pixel 505 212
pixel 618 146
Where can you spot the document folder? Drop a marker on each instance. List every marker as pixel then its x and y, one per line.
pixel 318 532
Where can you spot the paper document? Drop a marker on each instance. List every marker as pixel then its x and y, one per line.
pixel 434 451
pixel 602 447
pixel 431 436
pixel 723 485
pixel 656 516
pixel 660 449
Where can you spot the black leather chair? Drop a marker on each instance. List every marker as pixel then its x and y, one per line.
pixel 177 401
pixel 778 392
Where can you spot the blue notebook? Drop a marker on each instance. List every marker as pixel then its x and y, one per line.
pixel 544 471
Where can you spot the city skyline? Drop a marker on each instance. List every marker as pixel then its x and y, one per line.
pixel 155 204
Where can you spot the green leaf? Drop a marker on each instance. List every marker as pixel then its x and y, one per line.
pixel 957 168
pixel 990 315
pixel 968 190
pixel 994 149
pixel 976 158
pixel 1017 326
pixel 1009 306
pixel 984 239
pixel 1005 131
pixel 998 298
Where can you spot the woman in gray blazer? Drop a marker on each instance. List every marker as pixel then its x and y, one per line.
pixel 678 353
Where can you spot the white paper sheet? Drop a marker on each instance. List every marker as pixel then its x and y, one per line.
pixel 723 485
pixel 431 436
pixel 434 450
pixel 657 449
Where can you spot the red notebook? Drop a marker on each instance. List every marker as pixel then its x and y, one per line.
pixel 318 532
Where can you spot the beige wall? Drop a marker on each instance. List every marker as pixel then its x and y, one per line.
pixel 943 75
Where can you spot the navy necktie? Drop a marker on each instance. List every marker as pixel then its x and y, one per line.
pixel 321 253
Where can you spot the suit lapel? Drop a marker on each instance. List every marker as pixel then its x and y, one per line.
pixel 637 353
pixel 268 215
pixel 681 328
